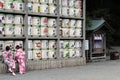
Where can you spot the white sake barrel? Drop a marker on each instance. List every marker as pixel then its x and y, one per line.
pixel 44 21
pixel 71 3
pixel 2 2
pixel 78 32
pixel 30 7
pixel 78 4
pixel 62 53
pixel 36 7
pixel 37 54
pixel 61 44
pixel 30 44
pixel 52 22
pixel 30 20
pixel 37 44
pixel 44 8
pixel 20 43
pixel 2 29
pixel 52 9
pixel 52 2
pixel 18 30
pixel 2 18
pixel 71 44
pixel 30 30
pixel 71 12
pixel 78 44
pixel 2 45
pixel 72 52
pixel 30 54
pixel 43 1
pixel 18 19
pixel 66 53
pixel 79 23
pixel 52 32
pixel 72 23
pixel 72 32
pixel 9 29
pixel 66 44
pixel 51 53
pixel 44 31
pixel 65 2
pixel 78 12
pixel 45 44
pixel 18 5
pixel 52 44
pixel 9 19
pixel 66 32
pixel 35 20
pixel 45 54
pixel 36 30
pixel 65 23
pixel 65 11
pixel 78 52
pixel 8 4
pixel 10 43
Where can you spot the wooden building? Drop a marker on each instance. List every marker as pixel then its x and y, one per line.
pixel 96 34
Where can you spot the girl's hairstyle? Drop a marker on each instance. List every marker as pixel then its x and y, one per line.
pixel 17 46
pixel 7 48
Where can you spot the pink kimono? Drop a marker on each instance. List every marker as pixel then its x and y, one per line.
pixel 20 57
pixel 8 59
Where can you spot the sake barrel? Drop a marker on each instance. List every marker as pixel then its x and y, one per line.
pixel 18 42
pixel 18 19
pixel 2 45
pixel 18 5
pixel 2 18
pixel 36 7
pixel 18 30
pixel 9 30
pixel 45 54
pixel 45 44
pixel 44 8
pixel 8 5
pixel 44 31
pixel 10 43
pixel 52 22
pixel 37 54
pixel 30 44
pixel 44 21
pixel 30 54
pixel 52 32
pixel 52 44
pixel 35 20
pixel 9 19
pixel 37 44
pixel 2 30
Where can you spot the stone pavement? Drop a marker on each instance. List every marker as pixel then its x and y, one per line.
pixel 105 70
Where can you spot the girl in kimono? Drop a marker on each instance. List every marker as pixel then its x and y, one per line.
pixel 9 60
pixel 20 57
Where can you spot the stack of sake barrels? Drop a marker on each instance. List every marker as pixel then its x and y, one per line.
pixel 72 8
pixel 41 49
pixel 70 48
pixel 41 26
pixel 42 6
pixel 11 43
pixel 11 25
pixel 12 5
pixel 71 28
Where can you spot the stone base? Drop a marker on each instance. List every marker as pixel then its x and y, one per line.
pixel 48 64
